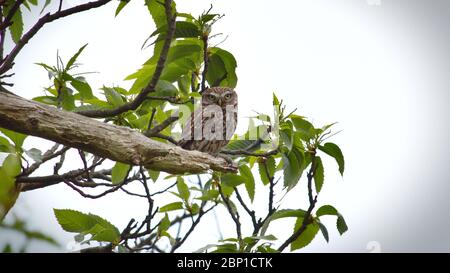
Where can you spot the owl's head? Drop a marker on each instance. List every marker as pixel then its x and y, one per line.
pixel 221 96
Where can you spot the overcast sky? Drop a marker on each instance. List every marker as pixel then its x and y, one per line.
pixel 380 68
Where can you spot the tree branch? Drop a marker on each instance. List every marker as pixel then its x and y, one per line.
pixel 9 60
pixel 133 105
pixel 104 140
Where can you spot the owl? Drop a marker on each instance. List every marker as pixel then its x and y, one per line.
pixel 211 126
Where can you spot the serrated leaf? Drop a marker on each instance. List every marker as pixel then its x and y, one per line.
pixel 119 172
pixel 334 151
pixel 306 237
pixel 171 206
pixel 164 224
pixel 263 172
pixel 183 189
pixel 327 210
pixel 249 181
pixel 341 225
pixel 16 29
pixel 231 180
pixel 318 174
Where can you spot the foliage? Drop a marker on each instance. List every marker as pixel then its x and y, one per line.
pixel 278 147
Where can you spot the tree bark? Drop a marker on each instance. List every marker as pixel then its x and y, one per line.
pixel 106 140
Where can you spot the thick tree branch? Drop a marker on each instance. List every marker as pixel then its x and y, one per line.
pixel 105 140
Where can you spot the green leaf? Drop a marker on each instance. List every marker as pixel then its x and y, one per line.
pixel 75 221
pixel 221 63
pixel 269 237
pixel 153 175
pixel 73 59
pixel 341 225
pixel 318 174
pixel 157 11
pixel 171 206
pixel 122 4
pixel 288 213
pixel 232 180
pixel 113 97
pixel 334 151
pixel 270 163
pixel 306 237
pixel 47 100
pixel 183 29
pixel 34 154
pixel 5 146
pixel 183 189
pixel 12 165
pixel 249 180
pixel 324 231
pixel 16 29
pixel 82 87
pixel 119 172
pixel 165 89
pixel 293 166
pixel 209 195
pixel 15 137
pixel 275 101
pixel 164 225
pixel 303 127
pixel 327 210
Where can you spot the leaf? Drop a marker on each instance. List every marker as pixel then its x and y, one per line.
pixel 334 151
pixel 5 146
pixel 318 174
pixel 47 100
pixel 209 195
pixel 75 221
pixel 34 154
pixel 183 29
pixel 326 210
pixel 270 163
pixel 171 206
pixel 122 4
pixel 221 63
pixel 232 180
pixel 113 97
pixel 303 127
pixel 269 237
pixel 12 165
pixel 73 59
pixel 293 166
pixel 284 213
pixel 15 137
pixel 153 175
pixel 157 11
pixel 330 210
pixel 82 87
pixel 306 237
pixel 164 224
pixel 183 189
pixel 119 172
pixel 341 225
pixel 16 29
pixel 249 181
pixel 324 231
pixel 165 89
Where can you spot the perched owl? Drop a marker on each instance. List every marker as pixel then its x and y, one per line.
pixel 213 123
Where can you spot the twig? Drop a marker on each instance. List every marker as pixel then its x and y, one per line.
pixel 205 62
pixel 166 123
pixel 251 213
pixel 234 215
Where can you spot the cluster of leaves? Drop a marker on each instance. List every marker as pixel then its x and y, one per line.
pixel 284 147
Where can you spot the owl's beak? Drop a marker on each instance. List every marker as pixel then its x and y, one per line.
pixel 219 102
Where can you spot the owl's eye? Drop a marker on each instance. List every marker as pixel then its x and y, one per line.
pixel 211 97
pixel 228 96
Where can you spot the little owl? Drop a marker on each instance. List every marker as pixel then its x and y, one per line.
pixel 211 126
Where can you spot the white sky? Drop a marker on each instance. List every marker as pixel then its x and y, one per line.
pixel 381 71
